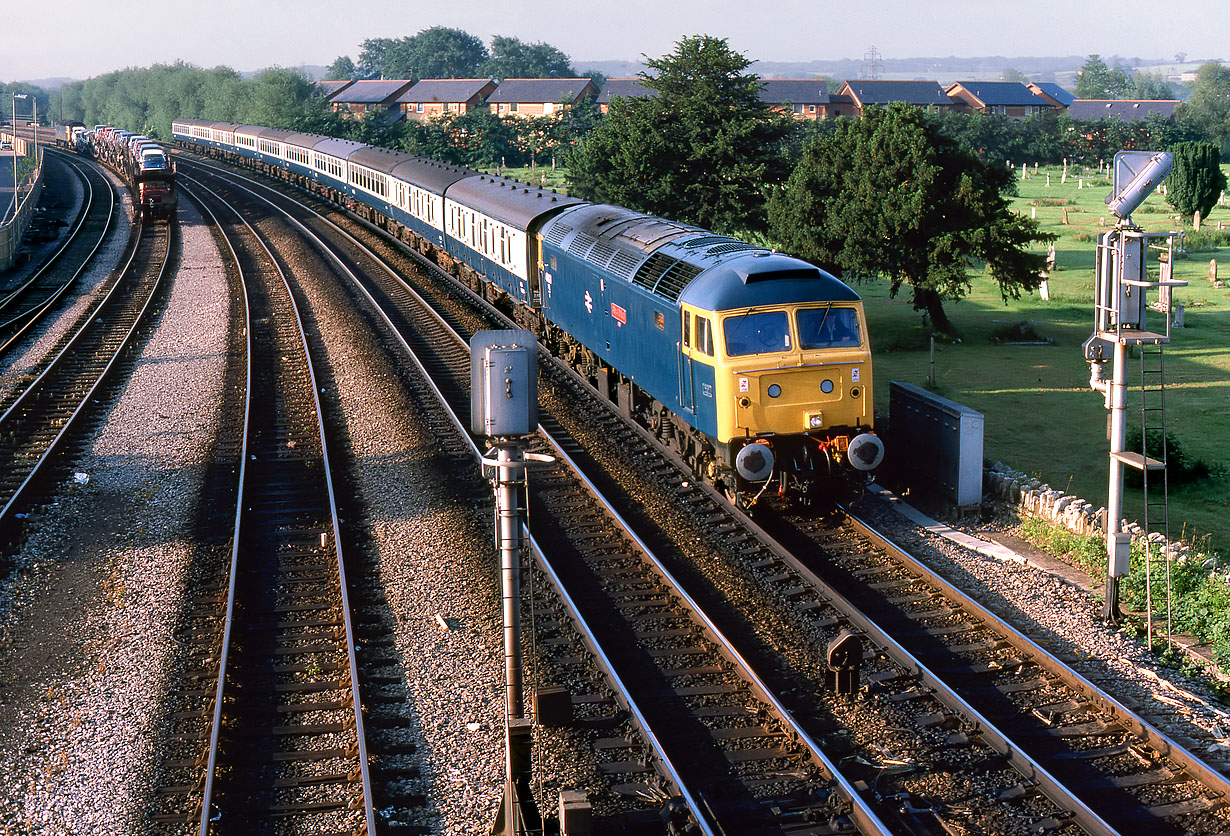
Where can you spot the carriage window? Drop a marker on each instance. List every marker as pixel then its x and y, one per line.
pixel 828 328
pixel 756 333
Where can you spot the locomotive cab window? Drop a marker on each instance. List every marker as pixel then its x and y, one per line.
pixel 756 333
pixel 687 330
pixel 828 327
pixel 704 336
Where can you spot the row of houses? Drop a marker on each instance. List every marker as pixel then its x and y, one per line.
pixel 803 98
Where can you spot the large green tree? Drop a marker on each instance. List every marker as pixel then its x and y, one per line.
pixel 513 58
pixel 704 150
pixel 437 52
pixel 1197 180
pixel 1095 80
pixel 342 68
pixel 889 195
pixel 1150 86
pixel 1207 109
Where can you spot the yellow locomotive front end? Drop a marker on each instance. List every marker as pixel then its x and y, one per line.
pixel 794 393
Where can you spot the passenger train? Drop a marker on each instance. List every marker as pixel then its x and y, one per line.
pixel 754 367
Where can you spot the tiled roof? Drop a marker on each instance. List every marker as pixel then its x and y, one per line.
pixel 1126 110
pixel 911 92
pixel 538 89
pixel 371 92
pixel 1006 93
pixel 627 88
pixel 331 88
pixel 794 90
pixel 444 90
pixel 1056 92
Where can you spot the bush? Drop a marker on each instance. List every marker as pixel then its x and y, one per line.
pixel 1082 551
pixel 1199 600
pixel 1206 240
pixel 1182 468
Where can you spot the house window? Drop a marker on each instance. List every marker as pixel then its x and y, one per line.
pixel 811 108
pixel 419 107
pixel 512 107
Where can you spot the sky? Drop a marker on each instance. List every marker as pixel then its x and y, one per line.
pixel 84 38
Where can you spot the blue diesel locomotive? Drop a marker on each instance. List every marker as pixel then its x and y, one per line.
pixel 752 366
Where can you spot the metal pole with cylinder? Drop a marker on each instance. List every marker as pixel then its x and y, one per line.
pixel 1120 305
pixel 16 191
pixel 504 409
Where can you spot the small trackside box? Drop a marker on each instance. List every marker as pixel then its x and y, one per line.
pixel 503 383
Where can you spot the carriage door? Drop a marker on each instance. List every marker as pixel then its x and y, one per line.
pixel 687 397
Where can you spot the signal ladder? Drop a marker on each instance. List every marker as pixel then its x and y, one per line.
pixel 1154 471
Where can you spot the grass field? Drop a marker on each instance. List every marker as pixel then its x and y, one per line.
pixel 1041 416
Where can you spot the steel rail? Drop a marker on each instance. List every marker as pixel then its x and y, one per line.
pixel 357 706
pixel 63 356
pixel 229 618
pixel 1042 657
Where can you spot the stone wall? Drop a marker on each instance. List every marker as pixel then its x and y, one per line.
pixel 1034 497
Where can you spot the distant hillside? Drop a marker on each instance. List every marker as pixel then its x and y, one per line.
pixel 1062 69
pixel 47 83
pixel 314 72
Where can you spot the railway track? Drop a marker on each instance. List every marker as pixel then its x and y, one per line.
pixel 1066 732
pixel 39 417
pixel 275 742
pixel 25 304
pixel 1167 790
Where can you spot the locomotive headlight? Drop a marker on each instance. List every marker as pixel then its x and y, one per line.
pixel 815 420
pixel 775 391
pixel 826 386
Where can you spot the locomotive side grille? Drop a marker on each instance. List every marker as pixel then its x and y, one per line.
pixel 601 253
pixel 581 244
pixel 557 234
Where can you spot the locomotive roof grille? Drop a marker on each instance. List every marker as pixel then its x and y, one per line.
pixel 732 247
pixel 665 276
pixel 704 241
pixel 624 263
